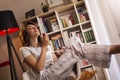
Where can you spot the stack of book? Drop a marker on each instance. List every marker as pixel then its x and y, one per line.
pixel 76 33
pixel 68 20
pixel 48 25
pixel 89 36
pixel 57 42
pixel 83 15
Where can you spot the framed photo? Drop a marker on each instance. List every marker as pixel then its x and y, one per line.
pixel 89 68
pixel 30 13
pixel 53 3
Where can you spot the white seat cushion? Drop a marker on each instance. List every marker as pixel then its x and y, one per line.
pixel 26 76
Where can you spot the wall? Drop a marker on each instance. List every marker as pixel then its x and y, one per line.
pixel 104 25
pixel 114 7
pixel 21 6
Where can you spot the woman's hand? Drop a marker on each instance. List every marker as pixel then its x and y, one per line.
pixel 45 40
pixel 59 52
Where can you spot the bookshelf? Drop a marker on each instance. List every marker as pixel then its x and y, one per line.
pixel 63 23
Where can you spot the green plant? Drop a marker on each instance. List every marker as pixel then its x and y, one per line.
pixel 45 5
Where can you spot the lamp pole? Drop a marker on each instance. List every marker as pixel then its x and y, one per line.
pixel 12 66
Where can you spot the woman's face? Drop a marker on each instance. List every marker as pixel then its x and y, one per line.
pixel 32 30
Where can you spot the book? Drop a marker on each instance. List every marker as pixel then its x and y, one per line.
pixel 92 34
pixel 62 42
pixel 89 36
pixel 83 15
pixel 41 25
pixel 54 24
pixel 66 36
pixel 48 25
pixel 79 34
pixel 51 45
pixel 86 38
pixel 69 20
pixel 57 41
pixel 63 22
pixel 45 26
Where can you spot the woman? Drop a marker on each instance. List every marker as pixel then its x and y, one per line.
pixel 43 63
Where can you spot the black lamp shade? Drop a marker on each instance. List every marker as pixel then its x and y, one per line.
pixel 7 22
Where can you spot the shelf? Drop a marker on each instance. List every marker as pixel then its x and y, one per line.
pixel 71 27
pixel 58 10
pixel 65 8
pixel 85 30
pixel 92 42
pixel 79 3
pixel 50 33
pixel 50 13
pixel 85 22
pixel 28 19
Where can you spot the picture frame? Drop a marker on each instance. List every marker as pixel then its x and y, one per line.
pixel 89 68
pixel 30 13
pixel 53 3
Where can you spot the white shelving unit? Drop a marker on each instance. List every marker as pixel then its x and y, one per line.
pixel 61 24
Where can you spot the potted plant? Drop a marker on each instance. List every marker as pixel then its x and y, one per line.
pixel 45 7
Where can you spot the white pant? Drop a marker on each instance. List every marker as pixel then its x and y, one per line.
pixel 74 52
pixel 62 67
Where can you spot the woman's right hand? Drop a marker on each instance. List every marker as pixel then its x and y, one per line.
pixel 45 40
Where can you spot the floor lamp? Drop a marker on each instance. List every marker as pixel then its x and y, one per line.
pixel 9 25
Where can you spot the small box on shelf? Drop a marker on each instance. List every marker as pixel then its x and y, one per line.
pixel 82 13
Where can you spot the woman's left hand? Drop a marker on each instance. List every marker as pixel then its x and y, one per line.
pixel 59 52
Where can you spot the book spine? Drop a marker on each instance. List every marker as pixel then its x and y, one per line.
pixel 54 24
pixel 86 36
pixel 45 25
pixel 41 25
pixel 83 14
pixel 62 42
pixel 51 45
pixel 66 36
pixel 92 35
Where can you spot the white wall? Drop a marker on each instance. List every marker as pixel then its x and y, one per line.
pixel 19 7
pixel 110 20
pixel 104 24
pixel 114 6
